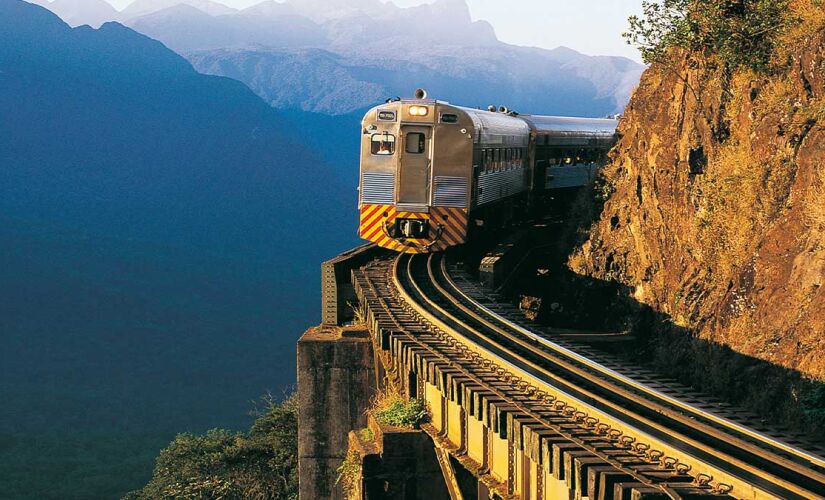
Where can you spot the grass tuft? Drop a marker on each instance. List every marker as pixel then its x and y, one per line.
pixel 390 408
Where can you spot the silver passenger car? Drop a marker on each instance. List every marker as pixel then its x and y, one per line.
pixel 430 170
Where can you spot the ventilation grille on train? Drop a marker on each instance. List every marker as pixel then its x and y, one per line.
pixel 450 192
pixel 494 186
pixel 378 188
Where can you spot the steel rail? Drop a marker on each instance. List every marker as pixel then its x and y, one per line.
pixel 778 481
pixel 814 459
pixel 407 297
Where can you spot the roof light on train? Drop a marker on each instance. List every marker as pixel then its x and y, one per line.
pixel 419 110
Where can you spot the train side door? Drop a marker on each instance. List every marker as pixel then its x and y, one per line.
pixel 415 161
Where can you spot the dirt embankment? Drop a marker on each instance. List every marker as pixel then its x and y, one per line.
pixel 715 225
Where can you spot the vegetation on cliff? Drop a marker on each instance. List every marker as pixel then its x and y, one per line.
pixel 714 223
pixel 262 463
pixel 739 32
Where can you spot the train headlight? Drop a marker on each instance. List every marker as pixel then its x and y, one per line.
pixel 419 110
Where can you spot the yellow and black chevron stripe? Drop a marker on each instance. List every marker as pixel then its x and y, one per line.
pixel 453 220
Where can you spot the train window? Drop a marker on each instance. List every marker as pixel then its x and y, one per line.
pixel 415 143
pixel 497 159
pixel 449 118
pixel 383 144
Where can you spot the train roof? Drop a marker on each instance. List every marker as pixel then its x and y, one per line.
pixel 567 126
pixel 493 126
pixel 489 120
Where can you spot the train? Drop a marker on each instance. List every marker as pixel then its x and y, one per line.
pixel 431 172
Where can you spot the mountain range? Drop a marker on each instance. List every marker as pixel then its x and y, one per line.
pixel 161 237
pixel 340 56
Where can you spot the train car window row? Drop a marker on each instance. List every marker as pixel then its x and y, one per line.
pixel 569 156
pixel 383 144
pixel 499 159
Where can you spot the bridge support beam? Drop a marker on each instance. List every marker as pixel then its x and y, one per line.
pixel 396 464
pixel 336 381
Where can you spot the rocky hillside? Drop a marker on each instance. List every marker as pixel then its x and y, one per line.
pixel 715 219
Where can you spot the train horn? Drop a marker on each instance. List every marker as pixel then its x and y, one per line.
pixel 420 94
pixel 503 109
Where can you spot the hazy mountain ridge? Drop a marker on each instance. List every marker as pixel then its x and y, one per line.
pixel 149 216
pixel 79 12
pixel 144 7
pixel 356 60
pixel 332 83
pixel 185 28
pixel 293 55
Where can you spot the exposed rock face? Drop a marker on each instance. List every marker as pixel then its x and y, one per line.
pixel 717 218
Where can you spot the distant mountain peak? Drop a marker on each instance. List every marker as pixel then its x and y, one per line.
pixel 327 10
pixel 177 11
pixel 143 7
pixel 270 8
pixel 79 12
pixel 455 10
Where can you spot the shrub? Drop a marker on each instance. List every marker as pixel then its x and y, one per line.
pixel 740 32
pixel 349 472
pixel 813 404
pixel 228 465
pixel 391 408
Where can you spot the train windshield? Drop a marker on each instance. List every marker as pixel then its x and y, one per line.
pixel 383 144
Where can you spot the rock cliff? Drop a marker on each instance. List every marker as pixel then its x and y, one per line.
pixel 715 218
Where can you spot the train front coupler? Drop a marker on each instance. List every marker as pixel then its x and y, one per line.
pixel 404 230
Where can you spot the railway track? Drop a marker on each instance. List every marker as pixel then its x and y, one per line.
pixel 662 440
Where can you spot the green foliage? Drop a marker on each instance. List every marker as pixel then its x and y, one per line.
pixel 262 463
pixel 662 26
pixel 813 405
pixel 349 472
pixel 400 413
pixel 743 33
pixel 366 434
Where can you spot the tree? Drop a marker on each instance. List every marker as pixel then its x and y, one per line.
pixel 740 32
pixel 262 463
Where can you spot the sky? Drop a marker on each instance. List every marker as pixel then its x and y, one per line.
pixel 593 27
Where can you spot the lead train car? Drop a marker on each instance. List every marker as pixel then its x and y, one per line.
pixel 429 169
